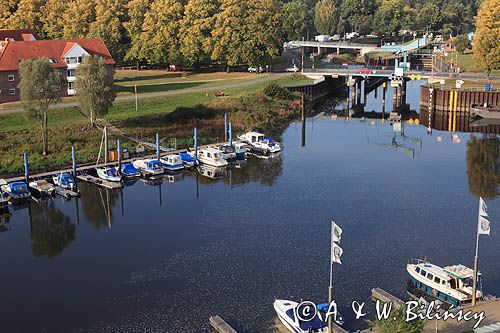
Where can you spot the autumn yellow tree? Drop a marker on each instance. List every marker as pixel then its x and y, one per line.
pixel 160 32
pixel 7 8
pixel 325 17
pixel 196 29
pixel 78 17
pixel 27 16
pixel 136 11
pixel 52 18
pixel 108 26
pixel 486 46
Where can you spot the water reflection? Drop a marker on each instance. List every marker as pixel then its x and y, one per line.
pixel 452 121
pixel 51 229
pixel 97 204
pixel 483 166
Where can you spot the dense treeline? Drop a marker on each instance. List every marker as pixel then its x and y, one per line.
pixel 232 32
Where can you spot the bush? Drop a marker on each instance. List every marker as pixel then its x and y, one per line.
pixel 275 91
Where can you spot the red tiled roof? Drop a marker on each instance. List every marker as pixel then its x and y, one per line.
pixel 17 34
pixel 13 52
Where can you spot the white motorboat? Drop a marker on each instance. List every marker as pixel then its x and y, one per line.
pixel 240 148
pixel 211 156
pixel 227 151
pixel 148 166
pixel 16 190
pixel 286 313
pixel 211 171
pixel 65 180
pixel 108 173
pixel 451 284
pixel 172 162
pixel 260 143
pixel 42 187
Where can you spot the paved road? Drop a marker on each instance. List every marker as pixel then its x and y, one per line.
pixel 168 93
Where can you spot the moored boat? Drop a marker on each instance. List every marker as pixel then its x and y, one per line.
pixel 42 188
pixel 211 156
pixel 451 284
pixel 16 190
pixel 227 152
pixel 65 180
pixel 108 173
pixel 129 171
pixel 188 160
pixel 286 313
pixel 4 198
pixel 240 149
pixel 211 171
pixel 148 166
pixel 172 162
pixel 260 143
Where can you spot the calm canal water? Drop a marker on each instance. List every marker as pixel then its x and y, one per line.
pixel 164 258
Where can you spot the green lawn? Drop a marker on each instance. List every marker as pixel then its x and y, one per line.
pixel 467 64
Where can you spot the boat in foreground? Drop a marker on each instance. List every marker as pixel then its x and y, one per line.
pixel 451 284
pixel 129 171
pixel 172 162
pixel 148 166
pixel 286 313
pixel 65 180
pixel 16 190
pixel 42 187
pixel 260 143
pixel 108 173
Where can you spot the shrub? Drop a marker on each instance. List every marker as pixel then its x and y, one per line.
pixel 276 91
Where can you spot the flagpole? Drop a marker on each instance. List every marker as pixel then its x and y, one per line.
pixel 330 287
pixel 476 257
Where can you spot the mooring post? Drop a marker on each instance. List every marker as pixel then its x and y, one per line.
pixel 225 127
pixel 195 138
pixel 73 160
pixel 119 148
pixel 106 146
pixel 230 134
pixel 158 146
pixel 26 170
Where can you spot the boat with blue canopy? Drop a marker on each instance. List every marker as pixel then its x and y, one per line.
pixel 148 166
pixel 172 162
pixel 188 160
pixel 65 180
pixel 16 190
pixel 108 173
pixel 286 313
pixel 129 171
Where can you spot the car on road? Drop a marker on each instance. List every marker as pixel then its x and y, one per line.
pixel 365 71
pixel 253 69
pixel 293 69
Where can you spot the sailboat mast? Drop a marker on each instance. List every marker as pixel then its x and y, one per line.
pixel 330 287
pixel 476 258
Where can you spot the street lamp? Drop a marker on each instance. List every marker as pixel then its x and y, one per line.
pixel 382 40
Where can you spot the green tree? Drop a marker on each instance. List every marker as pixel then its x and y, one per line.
pixel 296 18
pixel 196 30
pixel 483 167
pixel 52 17
pixel 462 43
pixel 40 85
pixel 109 15
pixel 94 88
pixel 326 17
pixel 27 16
pixel 399 325
pixel 429 16
pixel 486 46
pixel 247 32
pixel 358 13
pixel 136 11
pixel 160 32
pixel 389 17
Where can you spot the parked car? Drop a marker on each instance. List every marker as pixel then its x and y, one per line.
pixel 253 69
pixel 365 71
pixel 293 69
pixel 352 35
pixel 321 38
pixel 334 38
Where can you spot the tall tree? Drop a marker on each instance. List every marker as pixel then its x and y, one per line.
pixel 94 88
pixel 109 15
pixel 461 43
pixel 483 167
pixel 77 18
pixel 40 86
pixel 296 18
pixel 326 17
pixel 486 46
pixel 430 16
pixel 27 16
pixel 136 11
pixel 160 32
pixel 196 30
pixel 247 32
pixel 52 17
pixel 389 18
pixel 7 8
pixel 358 13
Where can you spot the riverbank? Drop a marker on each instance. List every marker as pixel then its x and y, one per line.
pixel 173 117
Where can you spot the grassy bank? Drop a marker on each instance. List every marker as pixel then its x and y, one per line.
pixel 171 116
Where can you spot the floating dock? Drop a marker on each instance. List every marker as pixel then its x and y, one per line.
pixel 220 325
pixel 100 182
pixel 383 296
pixel 66 193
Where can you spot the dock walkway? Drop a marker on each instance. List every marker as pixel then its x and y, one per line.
pixel 220 325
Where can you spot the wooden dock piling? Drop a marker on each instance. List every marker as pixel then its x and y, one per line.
pixel 385 297
pixel 220 325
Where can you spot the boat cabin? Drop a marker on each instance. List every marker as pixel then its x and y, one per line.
pixel 253 137
pixel 210 153
pixel 153 165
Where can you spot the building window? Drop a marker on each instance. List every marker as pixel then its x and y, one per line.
pixel 11 78
pixel 52 61
pixel 71 85
pixel 12 91
pixel 71 72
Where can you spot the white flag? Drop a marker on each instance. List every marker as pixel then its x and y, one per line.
pixel 336 232
pixel 483 209
pixel 483 226
pixel 336 253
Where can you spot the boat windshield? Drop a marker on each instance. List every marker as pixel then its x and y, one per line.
pixel 66 178
pixel 19 187
pixel 154 165
pixel 313 325
pixel 111 172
